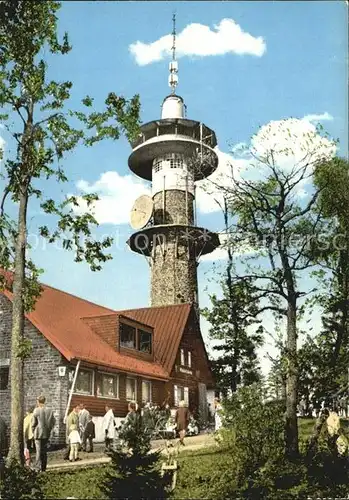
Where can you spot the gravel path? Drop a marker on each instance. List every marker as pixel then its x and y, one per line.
pixel 98 457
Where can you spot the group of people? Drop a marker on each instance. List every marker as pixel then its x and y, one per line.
pixel 37 428
pixel 39 422
pixel 158 420
pixel 80 432
pixel 184 422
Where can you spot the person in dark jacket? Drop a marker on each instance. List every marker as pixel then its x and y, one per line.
pixel 89 434
pixel 83 419
pixel 182 421
pixel 43 422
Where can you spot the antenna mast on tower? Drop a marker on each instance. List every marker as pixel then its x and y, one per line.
pixel 173 78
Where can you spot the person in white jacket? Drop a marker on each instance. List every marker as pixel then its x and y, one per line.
pixel 108 427
pixel 74 441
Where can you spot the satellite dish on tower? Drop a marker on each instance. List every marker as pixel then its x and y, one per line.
pixel 141 212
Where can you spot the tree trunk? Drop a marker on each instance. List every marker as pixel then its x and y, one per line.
pixel 233 383
pixel 17 389
pixel 343 283
pixel 291 429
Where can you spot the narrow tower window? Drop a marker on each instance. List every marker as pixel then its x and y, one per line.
pixel 157 165
pixel 182 357
pixel 189 359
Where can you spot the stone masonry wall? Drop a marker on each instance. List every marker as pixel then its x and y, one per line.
pixel 40 372
pixel 175 208
pixel 173 273
pixel 173 266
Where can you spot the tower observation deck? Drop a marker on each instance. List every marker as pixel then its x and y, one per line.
pixel 173 153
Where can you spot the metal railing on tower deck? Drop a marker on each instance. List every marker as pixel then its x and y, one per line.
pixel 199 133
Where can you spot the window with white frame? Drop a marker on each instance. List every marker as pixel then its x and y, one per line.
pixel 176 163
pixel 146 391
pixel 84 382
pixel 181 393
pixel 131 389
pixel 135 337
pixel 189 359
pixel 107 385
pixel 185 358
pixel 182 357
pixel 157 165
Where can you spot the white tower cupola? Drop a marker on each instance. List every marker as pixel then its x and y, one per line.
pixel 172 107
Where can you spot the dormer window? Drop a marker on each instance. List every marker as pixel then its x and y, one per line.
pixel 127 336
pixel 136 337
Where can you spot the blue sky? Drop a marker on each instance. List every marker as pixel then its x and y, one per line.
pixel 301 72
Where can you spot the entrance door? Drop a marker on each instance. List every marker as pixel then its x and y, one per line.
pixel 202 401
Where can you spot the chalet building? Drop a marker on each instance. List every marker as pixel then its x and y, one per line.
pixel 83 352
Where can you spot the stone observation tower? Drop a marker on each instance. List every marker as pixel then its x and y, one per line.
pixel 173 153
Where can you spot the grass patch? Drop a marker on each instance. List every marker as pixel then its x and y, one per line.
pixel 194 479
pixel 306 426
pixel 79 483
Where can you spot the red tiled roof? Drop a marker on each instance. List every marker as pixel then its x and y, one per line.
pixel 57 316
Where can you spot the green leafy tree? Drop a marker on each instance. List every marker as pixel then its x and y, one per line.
pixel 324 357
pixel 332 178
pixel 310 372
pixel 253 433
pixel 276 379
pixel 43 130
pixel 9 11
pixel 135 470
pixel 232 318
pixel 278 224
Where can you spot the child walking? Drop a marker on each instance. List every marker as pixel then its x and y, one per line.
pixel 89 433
pixel 74 441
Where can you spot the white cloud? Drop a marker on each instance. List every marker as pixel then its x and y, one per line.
pixel 116 193
pixel 200 40
pixel 293 142
pixel 318 118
